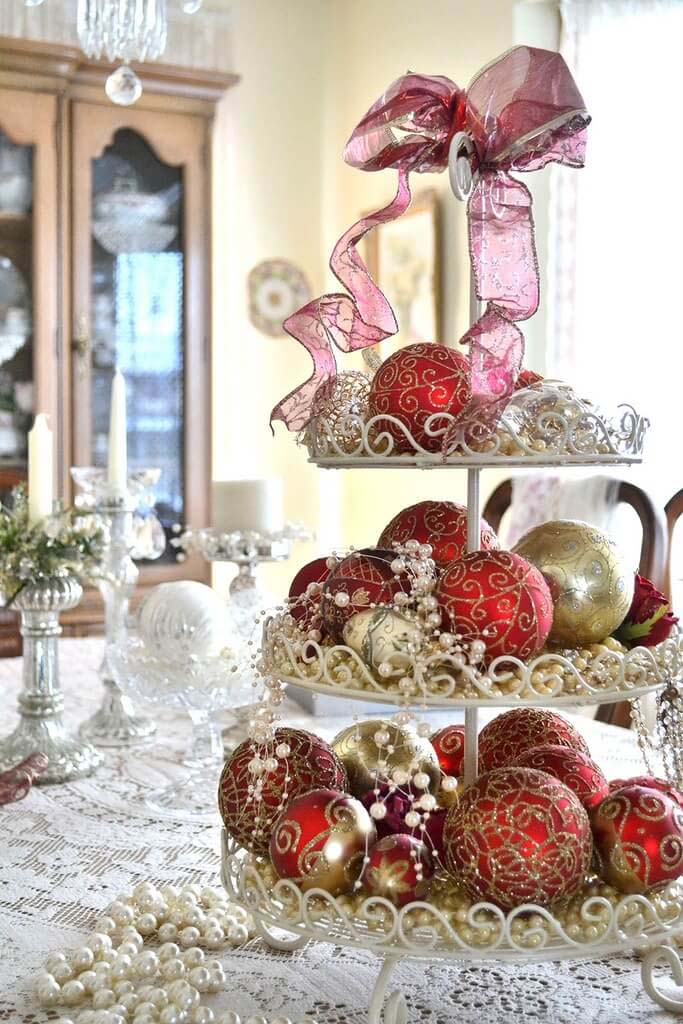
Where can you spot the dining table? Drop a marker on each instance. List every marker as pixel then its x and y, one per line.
pixel 67 851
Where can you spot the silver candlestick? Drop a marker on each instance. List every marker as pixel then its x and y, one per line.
pixel 116 723
pixel 41 699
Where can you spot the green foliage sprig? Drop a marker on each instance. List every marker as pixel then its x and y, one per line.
pixel 69 542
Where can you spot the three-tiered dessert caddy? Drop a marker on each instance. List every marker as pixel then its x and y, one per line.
pixel 543 426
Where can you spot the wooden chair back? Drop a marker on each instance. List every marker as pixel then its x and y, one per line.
pixel 673 510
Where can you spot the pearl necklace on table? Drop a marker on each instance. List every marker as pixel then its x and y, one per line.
pixel 129 984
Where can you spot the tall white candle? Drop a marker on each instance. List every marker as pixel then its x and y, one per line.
pixel 247 505
pixel 117 460
pixel 39 470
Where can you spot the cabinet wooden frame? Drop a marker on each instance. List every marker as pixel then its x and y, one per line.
pixel 52 97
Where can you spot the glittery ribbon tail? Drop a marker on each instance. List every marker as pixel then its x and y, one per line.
pixel 505 269
pixel 351 321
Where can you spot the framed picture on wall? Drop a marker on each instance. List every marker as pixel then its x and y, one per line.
pixel 403 258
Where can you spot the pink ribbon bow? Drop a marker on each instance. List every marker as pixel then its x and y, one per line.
pixel 521 112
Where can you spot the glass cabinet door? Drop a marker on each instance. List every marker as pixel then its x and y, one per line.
pixel 16 304
pixel 28 202
pixel 137 310
pixel 131 311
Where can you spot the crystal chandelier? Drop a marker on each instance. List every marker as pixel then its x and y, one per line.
pixel 124 30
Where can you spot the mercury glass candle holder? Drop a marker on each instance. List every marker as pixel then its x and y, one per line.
pixel 201 686
pixel 41 701
pixel 116 723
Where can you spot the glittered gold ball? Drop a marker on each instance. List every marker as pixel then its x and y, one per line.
pixel 383 637
pixel 372 751
pixel 339 406
pixel 589 582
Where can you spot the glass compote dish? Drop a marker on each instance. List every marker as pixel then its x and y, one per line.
pixel 174 677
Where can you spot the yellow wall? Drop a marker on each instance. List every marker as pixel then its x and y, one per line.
pixel 267 200
pixel 310 70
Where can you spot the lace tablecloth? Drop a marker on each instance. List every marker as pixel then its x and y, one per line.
pixel 67 851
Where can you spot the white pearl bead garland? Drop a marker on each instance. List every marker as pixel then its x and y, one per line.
pixel 130 984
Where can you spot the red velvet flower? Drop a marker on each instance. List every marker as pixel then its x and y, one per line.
pixel 650 619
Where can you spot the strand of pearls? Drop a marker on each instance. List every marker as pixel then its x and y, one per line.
pixel 127 983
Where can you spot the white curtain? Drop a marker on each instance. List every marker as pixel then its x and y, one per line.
pixel 615 293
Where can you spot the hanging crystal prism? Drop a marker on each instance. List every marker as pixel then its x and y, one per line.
pixel 123 86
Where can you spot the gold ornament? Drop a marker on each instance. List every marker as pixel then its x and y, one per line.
pixel 591 587
pixel 383 637
pixel 338 407
pixel 372 751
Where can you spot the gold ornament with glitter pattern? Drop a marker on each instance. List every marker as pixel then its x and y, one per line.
pixel 372 751
pixel 339 407
pixel 590 584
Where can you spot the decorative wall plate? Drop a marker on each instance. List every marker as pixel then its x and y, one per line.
pixel 276 290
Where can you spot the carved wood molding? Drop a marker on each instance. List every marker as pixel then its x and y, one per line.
pixel 63 69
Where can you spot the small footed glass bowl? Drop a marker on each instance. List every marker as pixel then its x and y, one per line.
pixel 201 687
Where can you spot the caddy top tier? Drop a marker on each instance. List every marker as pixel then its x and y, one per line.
pixel 428 404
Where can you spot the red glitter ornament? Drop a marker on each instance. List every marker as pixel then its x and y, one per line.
pixel 649 782
pixel 572 767
pixel 415 383
pixel 252 793
pixel 527 379
pixel 639 839
pixel 399 869
pixel 507 737
pixel 362 579
pixel 304 594
pixel 518 836
pixel 497 597
pixel 320 840
pixel 443 524
pixel 449 744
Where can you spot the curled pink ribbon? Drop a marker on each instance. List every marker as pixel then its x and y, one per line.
pixel 16 782
pixel 521 112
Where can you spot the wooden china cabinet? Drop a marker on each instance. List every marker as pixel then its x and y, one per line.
pixel 105 261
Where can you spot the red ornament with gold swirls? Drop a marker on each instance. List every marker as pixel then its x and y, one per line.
pixel 362 579
pixel 518 836
pixel 449 744
pixel 399 869
pixel 252 792
pixel 499 598
pixel 304 593
pixel 649 782
pixel 321 839
pixel 443 524
pixel 527 379
pixel 638 835
pixel 510 735
pixel 575 769
pixel 417 382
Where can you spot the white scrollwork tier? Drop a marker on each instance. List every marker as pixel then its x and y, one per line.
pixel 599 674
pixel 593 925
pixel 544 425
